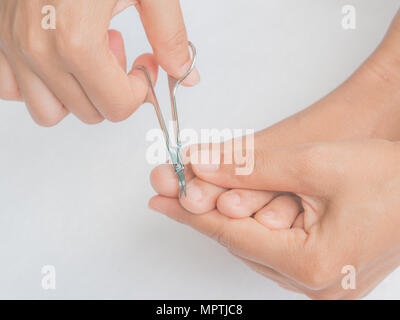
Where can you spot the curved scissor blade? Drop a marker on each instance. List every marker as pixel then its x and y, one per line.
pixel 174 151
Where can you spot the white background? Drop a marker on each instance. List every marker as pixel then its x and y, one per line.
pixel 75 196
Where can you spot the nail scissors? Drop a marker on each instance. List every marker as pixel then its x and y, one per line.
pixel 175 151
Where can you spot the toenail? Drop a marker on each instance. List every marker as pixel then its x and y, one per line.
pixel 194 193
pixel 233 198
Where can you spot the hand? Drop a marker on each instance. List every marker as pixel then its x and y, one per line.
pixel 80 66
pixel 350 204
pixel 364 106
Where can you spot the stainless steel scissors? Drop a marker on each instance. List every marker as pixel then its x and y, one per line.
pixel 175 151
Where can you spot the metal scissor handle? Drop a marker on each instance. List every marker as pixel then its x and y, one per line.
pixel 175 152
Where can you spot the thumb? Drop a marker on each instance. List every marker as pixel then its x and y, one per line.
pixel 166 32
pixel 304 169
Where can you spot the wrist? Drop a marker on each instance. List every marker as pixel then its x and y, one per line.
pixel 383 85
pixel 386 58
pixel 367 105
pixel 374 97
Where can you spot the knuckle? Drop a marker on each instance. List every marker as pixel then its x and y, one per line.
pixel 68 42
pixel 33 48
pixel 28 43
pixel 73 52
pixel 74 47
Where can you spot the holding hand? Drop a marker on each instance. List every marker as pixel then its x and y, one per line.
pixel 348 217
pixel 80 66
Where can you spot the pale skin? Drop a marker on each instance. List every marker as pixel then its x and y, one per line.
pixel 334 169
pixel 333 204
pixel 79 67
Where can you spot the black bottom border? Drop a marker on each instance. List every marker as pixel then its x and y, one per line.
pixel 195 309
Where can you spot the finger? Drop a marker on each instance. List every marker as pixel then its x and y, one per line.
pixel 241 203
pixel 115 94
pixel 164 181
pixel 8 83
pixel 44 107
pixel 296 169
pixel 137 77
pixel 279 250
pixel 69 92
pixel 280 213
pixel 165 29
pixel 201 196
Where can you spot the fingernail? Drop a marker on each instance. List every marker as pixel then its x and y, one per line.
pixel 207 167
pixel 273 220
pixel 193 78
pixel 270 215
pixel 194 193
pixel 233 199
